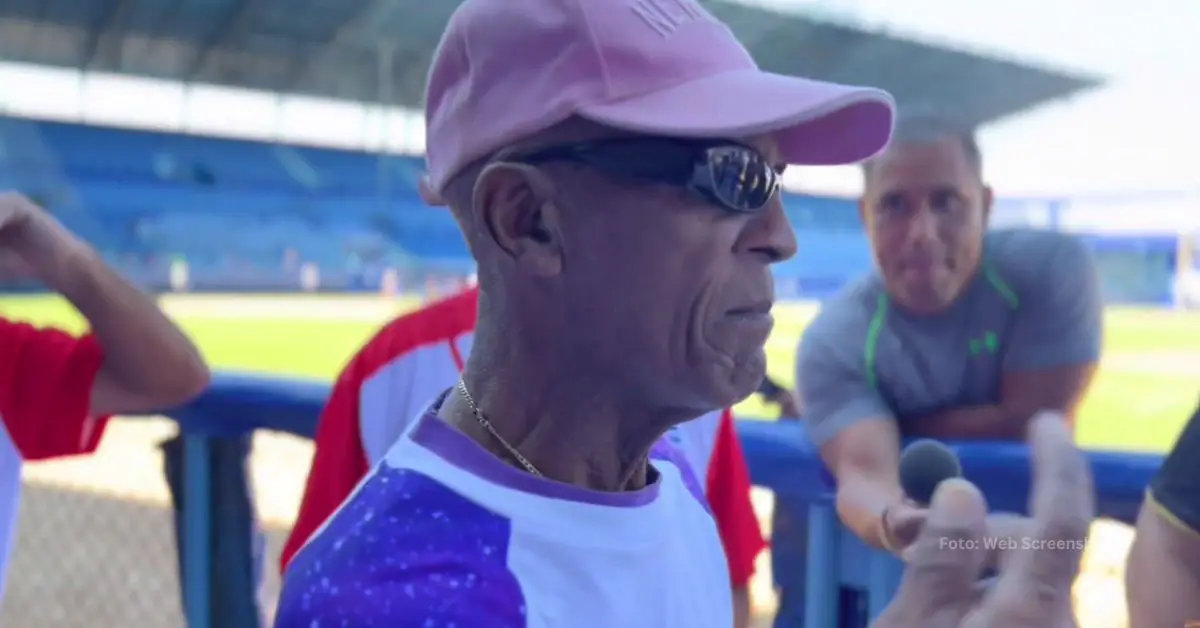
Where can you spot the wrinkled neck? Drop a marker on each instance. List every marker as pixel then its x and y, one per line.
pixel 570 426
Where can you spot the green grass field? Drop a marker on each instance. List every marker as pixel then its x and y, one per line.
pixel 1148 383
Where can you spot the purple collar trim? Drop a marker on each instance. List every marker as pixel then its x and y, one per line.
pixel 434 434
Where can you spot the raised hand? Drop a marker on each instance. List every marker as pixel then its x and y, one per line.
pixel 33 242
pixel 940 587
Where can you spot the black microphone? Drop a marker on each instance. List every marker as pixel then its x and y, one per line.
pixel 923 465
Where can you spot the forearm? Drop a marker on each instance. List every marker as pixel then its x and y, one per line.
pixel 1163 569
pixel 148 361
pixel 862 498
pixel 973 423
pixel 1162 573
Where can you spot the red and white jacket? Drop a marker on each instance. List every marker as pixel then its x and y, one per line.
pixel 418 356
pixel 46 379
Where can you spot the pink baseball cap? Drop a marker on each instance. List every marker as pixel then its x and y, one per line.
pixel 506 69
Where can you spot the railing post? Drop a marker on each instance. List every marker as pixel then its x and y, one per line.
pixel 884 579
pixel 823 586
pixel 197 530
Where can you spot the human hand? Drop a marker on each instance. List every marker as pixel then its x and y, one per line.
pixel 902 524
pixel 1033 590
pixel 1007 533
pixel 16 211
pixel 33 242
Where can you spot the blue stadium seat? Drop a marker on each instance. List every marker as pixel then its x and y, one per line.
pixel 238 208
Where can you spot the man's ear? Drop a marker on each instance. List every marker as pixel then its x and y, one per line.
pixel 516 207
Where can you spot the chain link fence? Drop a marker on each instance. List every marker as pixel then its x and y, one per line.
pixel 96 543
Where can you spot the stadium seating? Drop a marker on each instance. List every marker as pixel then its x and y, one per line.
pixel 234 209
pixel 248 215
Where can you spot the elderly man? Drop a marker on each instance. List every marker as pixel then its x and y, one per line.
pixel 962 334
pixel 614 166
pixel 413 359
pixel 56 390
pixel 1162 575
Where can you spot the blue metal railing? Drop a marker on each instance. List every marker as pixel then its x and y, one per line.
pixel 780 458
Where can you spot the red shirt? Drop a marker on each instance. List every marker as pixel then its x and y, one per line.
pixel 418 356
pixel 46 379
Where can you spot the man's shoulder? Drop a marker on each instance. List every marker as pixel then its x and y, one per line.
pixel 403 547
pixel 668 451
pixel 1028 254
pixel 402 513
pixel 438 322
pixel 57 359
pixel 696 438
pixel 404 365
pixel 1176 486
pixel 16 334
pixel 849 312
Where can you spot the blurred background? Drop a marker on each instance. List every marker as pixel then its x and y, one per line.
pixel 255 163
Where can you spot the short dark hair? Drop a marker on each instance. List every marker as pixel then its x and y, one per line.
pixel 925 126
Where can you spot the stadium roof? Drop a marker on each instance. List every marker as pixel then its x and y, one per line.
pixel 332 48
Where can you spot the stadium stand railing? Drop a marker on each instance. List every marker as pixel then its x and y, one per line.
pixel 780 457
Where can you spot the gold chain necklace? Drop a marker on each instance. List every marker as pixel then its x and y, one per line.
pixel 487 425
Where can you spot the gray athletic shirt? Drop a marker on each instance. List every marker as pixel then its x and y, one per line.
pixel 1035 304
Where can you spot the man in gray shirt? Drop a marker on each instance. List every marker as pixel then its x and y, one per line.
pixel 964 333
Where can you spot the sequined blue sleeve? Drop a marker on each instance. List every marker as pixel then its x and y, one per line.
pixel 404 551
pixel 450 595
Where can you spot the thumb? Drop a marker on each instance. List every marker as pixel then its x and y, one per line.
pixel 948 555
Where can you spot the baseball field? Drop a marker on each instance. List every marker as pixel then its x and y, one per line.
pixel 96 546
pixel 1146 386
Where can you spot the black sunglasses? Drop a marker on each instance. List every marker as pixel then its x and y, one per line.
pixel 733 176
